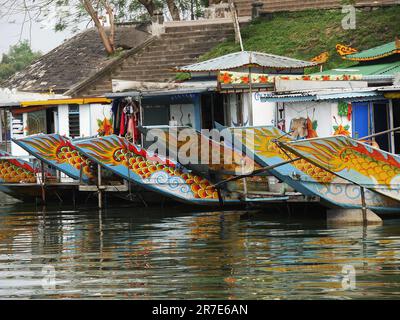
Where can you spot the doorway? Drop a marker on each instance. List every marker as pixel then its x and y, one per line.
pixel 361 120
pixel 212 110
pixel 396 124
pixel 381 123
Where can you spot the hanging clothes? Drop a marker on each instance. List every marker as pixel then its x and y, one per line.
pixel 122 125
pixel 131 127
pixel 117 116
pixel 125 117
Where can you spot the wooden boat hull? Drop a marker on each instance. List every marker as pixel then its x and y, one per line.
pixel 208 157
pixel 32 192
pixel 58 152
pixel 304 176
pixel 212 159
pixel 354 161
pixel 148 170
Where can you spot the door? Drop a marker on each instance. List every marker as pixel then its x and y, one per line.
pixel 381 123
pixel 396 124
pixel 361 124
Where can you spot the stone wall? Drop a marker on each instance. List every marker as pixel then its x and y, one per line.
pixel 244 6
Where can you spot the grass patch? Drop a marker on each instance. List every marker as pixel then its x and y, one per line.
pixel 304 35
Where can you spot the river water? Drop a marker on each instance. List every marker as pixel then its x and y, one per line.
pixel 142 253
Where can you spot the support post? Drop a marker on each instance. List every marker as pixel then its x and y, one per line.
pixel 245 188
pixel 364 206
pixel 141 119
pixel 212 111
pixel 42 184
pixel 250 110
pixel 5 130
pixel 391 126
pixel 99 190
pixel 362 216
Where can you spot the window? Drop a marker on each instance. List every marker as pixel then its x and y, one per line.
pixel 36 122
pixel 73 117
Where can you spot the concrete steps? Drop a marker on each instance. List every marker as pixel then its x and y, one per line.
pixel 181 44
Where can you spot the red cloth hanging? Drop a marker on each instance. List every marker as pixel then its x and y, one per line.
pixel 122 125
pixel 133 127
pixel 349 111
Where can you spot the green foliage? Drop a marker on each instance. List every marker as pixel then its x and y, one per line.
pixel 315 124
pixel 348 2
pixel 304 35
pixel 17 58
pixel 125 11
pixel 182 76
pixel 343 108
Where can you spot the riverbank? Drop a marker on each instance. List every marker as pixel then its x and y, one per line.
pixel 304 35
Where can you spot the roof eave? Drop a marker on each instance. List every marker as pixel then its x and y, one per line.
pixel 354 57
pixel 244 66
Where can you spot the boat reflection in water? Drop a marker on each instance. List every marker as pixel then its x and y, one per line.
pixel 181 254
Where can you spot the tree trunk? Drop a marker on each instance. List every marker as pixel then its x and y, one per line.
pixel 108 45
pixel 149 5
pixel 173 9
pixel 110 14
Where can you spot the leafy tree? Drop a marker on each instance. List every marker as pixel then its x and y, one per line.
pixel 17 58
pixel 70 13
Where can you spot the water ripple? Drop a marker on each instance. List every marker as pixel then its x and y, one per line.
pixel 140 253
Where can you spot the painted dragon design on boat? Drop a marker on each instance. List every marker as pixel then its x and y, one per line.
pixel 354 161
pixel 306 176
pixel 149 170
pixel 57 151
pixel 16 171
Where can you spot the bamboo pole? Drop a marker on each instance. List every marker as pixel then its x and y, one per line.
pixel 255 172
pixel 379 133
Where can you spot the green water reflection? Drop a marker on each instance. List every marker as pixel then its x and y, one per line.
pixel 141 253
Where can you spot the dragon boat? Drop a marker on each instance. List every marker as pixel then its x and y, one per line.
pixel 360 163
pixel 13 170
pixel 305 176
pixel 57 151
pixel 149 170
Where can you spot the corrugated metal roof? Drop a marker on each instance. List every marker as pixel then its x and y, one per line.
pixel 246 58
pixel 384 50
pixel 384 69
pixel 323 95
pixel 13 97
pixel 389 88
